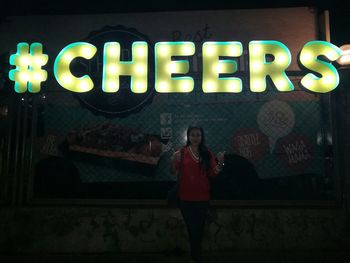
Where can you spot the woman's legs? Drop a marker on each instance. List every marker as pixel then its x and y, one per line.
pixel 195 215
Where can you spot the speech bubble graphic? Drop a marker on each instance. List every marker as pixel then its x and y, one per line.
pixel 275 119
pixel 250 143
pixel 295 151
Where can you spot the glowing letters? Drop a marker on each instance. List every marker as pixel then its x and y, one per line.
pixel 267 58
pixel 28 72
pixel 309 58
pixel 260 68
pixel 212 67
pixel 61 68
pixel 165 67
pixel 113 67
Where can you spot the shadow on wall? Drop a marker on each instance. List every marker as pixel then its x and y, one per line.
pixel 57 177
pixel 240 181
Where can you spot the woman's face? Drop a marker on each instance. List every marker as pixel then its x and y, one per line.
pixel 195 137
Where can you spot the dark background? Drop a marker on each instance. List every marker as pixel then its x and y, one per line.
pixel 339 22
pixel 22 7
pixel 82 233
pixel 339 10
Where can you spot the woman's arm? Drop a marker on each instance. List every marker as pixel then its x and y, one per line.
pixel 175 163
pixel 221 160
pixel 216 166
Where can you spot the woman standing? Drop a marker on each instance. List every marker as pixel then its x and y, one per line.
pixel 193 164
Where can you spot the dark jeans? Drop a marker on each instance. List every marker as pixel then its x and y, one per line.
pixel 195 214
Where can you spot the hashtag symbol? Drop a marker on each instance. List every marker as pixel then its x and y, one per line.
pixel 28 73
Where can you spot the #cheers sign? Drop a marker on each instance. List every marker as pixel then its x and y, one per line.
pixel 266 58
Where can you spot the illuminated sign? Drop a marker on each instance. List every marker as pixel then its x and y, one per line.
pixel 267 58
pixel 28 73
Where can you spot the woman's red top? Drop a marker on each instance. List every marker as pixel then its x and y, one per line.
pixel 194 183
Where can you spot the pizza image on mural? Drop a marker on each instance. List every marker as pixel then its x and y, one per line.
pixel 116 141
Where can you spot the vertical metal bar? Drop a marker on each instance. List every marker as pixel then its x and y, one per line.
pixel 22 160
pixel 335 129
pixel 16 145
pixel 8 149
pixel 2 162
pixel 343 114
pixel 33 132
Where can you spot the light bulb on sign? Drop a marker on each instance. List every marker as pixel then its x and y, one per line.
pixel 344 59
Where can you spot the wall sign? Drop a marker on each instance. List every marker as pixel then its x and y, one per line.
pixel 102 99
pixel 266 58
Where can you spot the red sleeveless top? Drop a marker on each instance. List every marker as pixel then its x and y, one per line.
pixel 194 184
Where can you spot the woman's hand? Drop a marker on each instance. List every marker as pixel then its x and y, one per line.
pixel 221 157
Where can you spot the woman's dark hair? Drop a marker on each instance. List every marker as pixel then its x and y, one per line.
pixel 204 157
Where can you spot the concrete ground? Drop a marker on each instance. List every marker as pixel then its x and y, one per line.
pixel 320 256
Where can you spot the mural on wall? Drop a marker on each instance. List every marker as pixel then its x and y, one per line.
pixel 275 119
pixel 125 102
pixel 295 151
pixel 116 141
pixel 250 143
pixel 110 140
